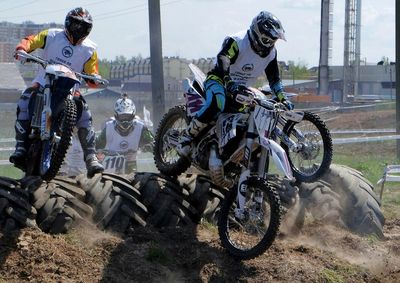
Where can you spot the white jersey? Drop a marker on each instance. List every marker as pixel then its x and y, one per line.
pixel 248 65
pixel 123 144
pixel 73 163
pixel 58 49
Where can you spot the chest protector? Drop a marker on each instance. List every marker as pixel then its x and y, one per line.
pixel 58 50
pixel 248 65
pixel 123 144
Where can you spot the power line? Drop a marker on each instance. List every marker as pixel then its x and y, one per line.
pixel 125 11
pixel 102 16
pixel 18 6
pixel 47 12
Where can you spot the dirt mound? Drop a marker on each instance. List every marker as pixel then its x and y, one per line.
pixel 320 254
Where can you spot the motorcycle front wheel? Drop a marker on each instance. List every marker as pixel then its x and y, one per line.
pixel 54 151
pixel 171 126
pixel 249 232
pixel 313 155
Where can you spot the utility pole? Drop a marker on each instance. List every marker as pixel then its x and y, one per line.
pixel 325 50
pixel 156 61
pixel 398 76
pixel 352 37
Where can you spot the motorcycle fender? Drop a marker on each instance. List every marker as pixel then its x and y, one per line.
pixel 242 188
pixel 293 116
pixel 279 156
pixel 194 101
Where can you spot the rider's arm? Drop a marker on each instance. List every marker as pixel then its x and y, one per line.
pixel 101 140
pixel 91 67
pixel 274 79
pixel 146 139
pixel 33 42
pixel 227 56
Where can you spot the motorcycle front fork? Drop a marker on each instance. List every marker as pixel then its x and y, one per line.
pixel 293 146
pixel 258 165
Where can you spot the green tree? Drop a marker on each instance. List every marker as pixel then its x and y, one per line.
pixel 297 71
pixel 120 59
pixel 105 68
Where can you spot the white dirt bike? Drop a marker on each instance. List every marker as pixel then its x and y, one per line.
pixel 54 113
pixel 235 152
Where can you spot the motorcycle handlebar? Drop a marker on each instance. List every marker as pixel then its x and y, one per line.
pixel 30 58
pixel 35 59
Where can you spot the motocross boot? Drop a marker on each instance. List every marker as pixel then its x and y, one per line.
pixel 21 136
pixel 87 140
pixel 184 147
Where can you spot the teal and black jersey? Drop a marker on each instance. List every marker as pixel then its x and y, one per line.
pixel 237 60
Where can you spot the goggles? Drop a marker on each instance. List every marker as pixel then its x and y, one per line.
pixel 125 117
pixel 267 41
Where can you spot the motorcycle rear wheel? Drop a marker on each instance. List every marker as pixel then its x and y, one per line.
pixel 251 235
pixel 166 158
pixel 315 156
pixel 54 153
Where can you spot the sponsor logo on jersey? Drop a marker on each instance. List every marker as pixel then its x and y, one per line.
pixel 123 145
pixel 67 51
pixel 248 68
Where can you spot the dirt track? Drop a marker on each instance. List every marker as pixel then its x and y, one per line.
pixel 321 254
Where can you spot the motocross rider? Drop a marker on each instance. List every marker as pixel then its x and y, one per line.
pixel 126 133
pixel 69 46
pixel 242 58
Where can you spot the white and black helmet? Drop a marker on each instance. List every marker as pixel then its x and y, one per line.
pixel 124 113
pixel 264 31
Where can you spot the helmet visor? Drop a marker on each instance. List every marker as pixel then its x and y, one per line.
pixel 124 117
pixel 79 29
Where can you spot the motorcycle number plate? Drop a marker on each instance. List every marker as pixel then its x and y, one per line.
pixel 264 120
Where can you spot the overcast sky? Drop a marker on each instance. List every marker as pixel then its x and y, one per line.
pixel 196 28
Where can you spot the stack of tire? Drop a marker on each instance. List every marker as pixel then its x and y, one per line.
pixel 142 199
pixel 115 203
pixel 15 208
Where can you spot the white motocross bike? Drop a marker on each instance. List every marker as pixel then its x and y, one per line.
pixel 54 113
pixel 235 152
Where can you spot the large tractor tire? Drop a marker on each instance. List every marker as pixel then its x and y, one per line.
pixel 345 197
pixel 117 205
pixel 59 203
pixel 15 209
pixel 204 196
pixel 166 201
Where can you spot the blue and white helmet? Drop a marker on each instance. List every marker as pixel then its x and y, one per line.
pixel 264 31
pixel 124 113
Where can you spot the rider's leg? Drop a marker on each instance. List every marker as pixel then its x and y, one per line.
pixel 185 140
pixel 22 125
pixel 214 105
pixel 87 138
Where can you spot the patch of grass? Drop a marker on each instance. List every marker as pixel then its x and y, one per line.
pixel 156 254
pixel 331 276
pixel 10 171
pixel 209 226
pixel 371 166
pixel 391 194
pixel 372 239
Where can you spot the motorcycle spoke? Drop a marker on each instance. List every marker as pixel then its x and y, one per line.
pixel 311 153
pixel 248 232
pixel 169 154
